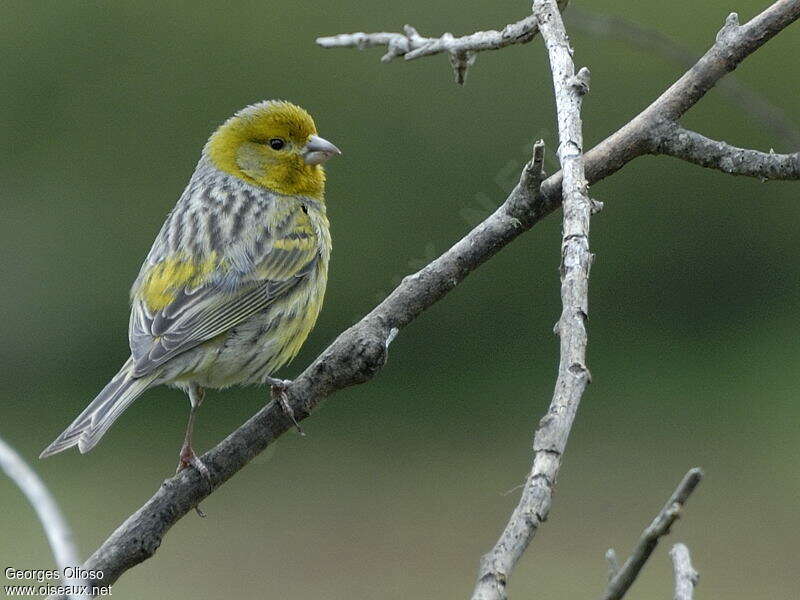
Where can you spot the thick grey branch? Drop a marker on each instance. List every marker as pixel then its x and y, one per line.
pixel 55 527
pixel 550 439
pixel 624 577
pixel 358 354
pixel 410 44
pixel 673 140
pixel 686 577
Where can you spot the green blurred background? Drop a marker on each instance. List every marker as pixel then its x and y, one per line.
pixel 402 484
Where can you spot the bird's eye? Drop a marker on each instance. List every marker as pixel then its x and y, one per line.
pixel 276 143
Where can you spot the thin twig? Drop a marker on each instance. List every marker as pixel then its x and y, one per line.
pixel 674 140
pixel 58 533
pixel 648 541
pixel 462 50
pixel 686 578
pixel 359 353
pixel 573 376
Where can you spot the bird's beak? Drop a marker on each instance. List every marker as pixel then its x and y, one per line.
pixel 318 150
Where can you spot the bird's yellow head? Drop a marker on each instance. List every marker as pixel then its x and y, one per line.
pixel 273 144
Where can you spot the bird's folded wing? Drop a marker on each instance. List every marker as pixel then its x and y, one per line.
pixel 179 304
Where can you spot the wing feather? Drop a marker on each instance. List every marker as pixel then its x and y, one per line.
pixel 180 303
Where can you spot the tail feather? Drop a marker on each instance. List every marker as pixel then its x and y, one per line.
pixel 86 431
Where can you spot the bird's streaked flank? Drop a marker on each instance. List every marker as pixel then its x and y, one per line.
pixel 236 277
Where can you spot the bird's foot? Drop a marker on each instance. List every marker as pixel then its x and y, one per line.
pixel 188 458
pixel 278 393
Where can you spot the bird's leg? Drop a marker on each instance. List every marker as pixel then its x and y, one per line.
pixel 188 456
pixel 278 393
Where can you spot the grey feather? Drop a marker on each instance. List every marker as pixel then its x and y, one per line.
pixel 86 430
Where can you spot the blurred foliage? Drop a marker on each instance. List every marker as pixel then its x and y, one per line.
pixel 400 485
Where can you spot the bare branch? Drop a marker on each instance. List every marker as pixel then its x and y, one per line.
pixel 660 526
pixel 700 150
pixel 55 527
pixel 734 43
pixel 756 104
pixel 462 50
pixel 359 353
pixel 551 437
pixel 686 577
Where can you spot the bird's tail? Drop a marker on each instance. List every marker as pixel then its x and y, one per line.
pixel 94 421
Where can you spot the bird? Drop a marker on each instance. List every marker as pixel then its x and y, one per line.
pixel 236 277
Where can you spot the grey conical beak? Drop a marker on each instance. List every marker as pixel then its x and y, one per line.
pixel 318 150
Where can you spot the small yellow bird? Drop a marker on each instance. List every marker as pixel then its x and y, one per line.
pixel 236 277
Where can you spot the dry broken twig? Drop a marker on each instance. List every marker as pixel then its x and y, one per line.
pixel 462 50
pixel 624 577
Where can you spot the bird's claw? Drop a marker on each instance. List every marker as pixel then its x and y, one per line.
pixel 189 458
pixel 279 395
pixel 193 461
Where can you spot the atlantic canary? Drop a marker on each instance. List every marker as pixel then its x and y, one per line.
pixel 235 279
